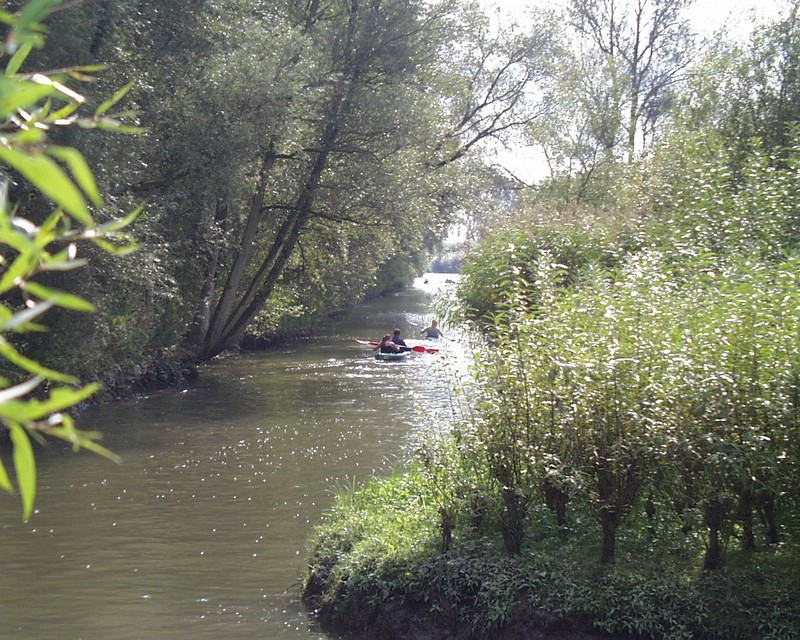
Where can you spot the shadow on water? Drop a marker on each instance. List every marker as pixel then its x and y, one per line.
pixel 201 532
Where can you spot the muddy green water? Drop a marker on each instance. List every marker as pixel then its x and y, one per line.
pixel 203 530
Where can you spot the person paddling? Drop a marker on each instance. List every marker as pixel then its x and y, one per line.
pixel 398 340
pixel 433 331
pixel 388 346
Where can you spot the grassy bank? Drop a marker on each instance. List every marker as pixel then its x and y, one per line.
pixel 378 569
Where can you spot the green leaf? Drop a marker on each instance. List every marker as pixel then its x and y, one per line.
pixel 11 354
pixel 115 250
pixel 51 223
pixel 91 445
pixel 58 262
pixel 80 171
pixel 5 483
pixel 49 178
pixel 60 399
pixel 19 320
pixel 107 104
pixel 33 12
pixel 62 299
pixel 82 439
pixel 18 241
pixel 22 267
pixel 18 58
pixel 87 68
pixel 25 466
pixel 120 223
pixel 64 112
pixel 16 94
pixel 110 124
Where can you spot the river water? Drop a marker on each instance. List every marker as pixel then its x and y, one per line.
pixel 202 531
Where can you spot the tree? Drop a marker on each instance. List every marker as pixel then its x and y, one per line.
pixel 641 48
pixel 368 52
pixel 282 141
pixel 747 92
pixel 491 80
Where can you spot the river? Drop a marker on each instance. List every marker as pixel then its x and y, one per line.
pixel 202 532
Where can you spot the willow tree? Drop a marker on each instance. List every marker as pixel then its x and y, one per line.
pixel 293 147
pixel 338 156
pixel 642 48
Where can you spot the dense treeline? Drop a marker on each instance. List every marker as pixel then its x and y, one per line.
pixel 636 397
pixel 632 441
pixel 652 358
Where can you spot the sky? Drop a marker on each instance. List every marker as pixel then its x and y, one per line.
pixel 707 16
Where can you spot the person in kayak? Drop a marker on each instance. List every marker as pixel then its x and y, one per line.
pixel 387 346
pixel 398 340
pixel 433 331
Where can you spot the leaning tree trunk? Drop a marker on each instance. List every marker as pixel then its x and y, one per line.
pixel 233 284
pixel 240 304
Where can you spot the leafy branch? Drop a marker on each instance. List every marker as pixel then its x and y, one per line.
pixel 33 397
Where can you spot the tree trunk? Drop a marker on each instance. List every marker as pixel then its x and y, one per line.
pixel 237 308
pixel 766 502
pixel 746 502
pixel 202 318
pixel 225 305
pixel 714 518
pixel 512 520
pixel 609 522
pixel 556 500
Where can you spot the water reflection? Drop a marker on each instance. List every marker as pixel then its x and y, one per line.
pixel 201 532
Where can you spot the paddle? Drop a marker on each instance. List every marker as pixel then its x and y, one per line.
pixel 418 348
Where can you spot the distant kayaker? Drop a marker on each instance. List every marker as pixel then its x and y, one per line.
pixel 433 331
pixel 387 346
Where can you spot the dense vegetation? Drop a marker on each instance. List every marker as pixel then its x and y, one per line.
pixel 291 156
pixel 630 455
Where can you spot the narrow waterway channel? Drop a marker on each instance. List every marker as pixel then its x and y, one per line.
pixel 202 531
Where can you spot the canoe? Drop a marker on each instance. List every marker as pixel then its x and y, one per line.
pixel 392 357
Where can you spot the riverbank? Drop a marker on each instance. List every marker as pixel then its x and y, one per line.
pixel 378 569
pixel 173 368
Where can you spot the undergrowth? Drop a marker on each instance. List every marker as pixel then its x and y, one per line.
pixel 381 549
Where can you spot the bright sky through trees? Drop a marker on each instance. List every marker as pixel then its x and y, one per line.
pixel 737 17
pixel 708 15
